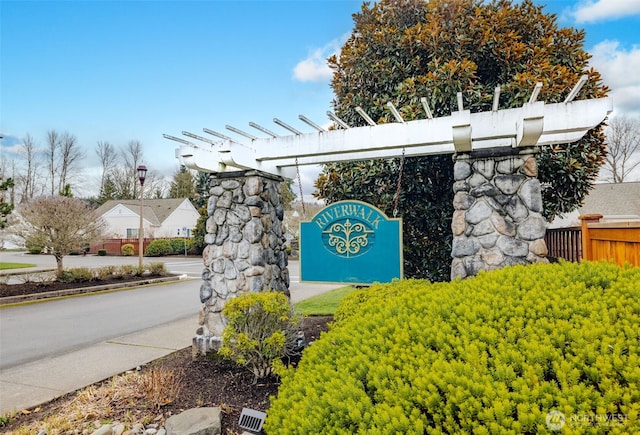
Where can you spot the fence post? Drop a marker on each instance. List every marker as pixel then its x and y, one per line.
pixel 585 220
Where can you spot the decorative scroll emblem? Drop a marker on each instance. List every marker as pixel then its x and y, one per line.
pixel 348 239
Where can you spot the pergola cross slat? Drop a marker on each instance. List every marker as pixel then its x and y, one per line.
pixel 534 124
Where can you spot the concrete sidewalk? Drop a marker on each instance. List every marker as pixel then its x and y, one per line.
pixel 37 382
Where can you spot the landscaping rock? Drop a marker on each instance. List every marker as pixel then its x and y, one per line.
pixel 196 421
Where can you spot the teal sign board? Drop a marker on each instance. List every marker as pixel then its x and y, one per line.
pixel 351 242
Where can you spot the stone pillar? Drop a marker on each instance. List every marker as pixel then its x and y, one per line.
pixel 245 249
pixel 497 219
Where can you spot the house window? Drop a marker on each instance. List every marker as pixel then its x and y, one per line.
pixel 132 233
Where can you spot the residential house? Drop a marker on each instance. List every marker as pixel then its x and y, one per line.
pixel 614 201
pixel 161 218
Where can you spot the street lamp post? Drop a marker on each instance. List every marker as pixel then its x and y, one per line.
pixel 142 173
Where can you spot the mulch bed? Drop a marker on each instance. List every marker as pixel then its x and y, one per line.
pixel 206 381
pixel 33 287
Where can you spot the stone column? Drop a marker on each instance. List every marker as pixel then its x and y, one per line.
pixel 245 249
pixel 497 219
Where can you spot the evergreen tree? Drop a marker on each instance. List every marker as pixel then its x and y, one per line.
pixel 402 50
pixel 183 184
pixel 5 207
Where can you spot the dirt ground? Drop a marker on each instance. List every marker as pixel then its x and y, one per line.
pixel 205 381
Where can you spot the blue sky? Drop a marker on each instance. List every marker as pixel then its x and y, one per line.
pixel 132 70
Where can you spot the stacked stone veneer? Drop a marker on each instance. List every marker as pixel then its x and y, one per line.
pixel 245 249
pixel 498 218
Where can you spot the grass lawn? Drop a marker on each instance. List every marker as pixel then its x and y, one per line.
pixel 6 266
pixel 324 304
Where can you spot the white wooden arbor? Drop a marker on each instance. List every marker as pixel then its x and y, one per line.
pixel 535 123
pixel 242 200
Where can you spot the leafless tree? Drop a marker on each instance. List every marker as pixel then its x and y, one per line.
pixel 32 159
pixel 53 144
pixel 70 156
pixel 60 224
pixel 120 175
pixel 132 157
pixel 623 144
pixel 108 160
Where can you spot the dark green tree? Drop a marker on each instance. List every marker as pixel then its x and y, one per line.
pixel 402 50
pixel 66 191
pixel 200 231
pixel 287 195
pixel 202 189
pixel 108 191
pixel 183 184
pixel 5 207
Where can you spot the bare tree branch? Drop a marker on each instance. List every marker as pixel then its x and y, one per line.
pixel 623 146
pixel 132 157
pixel 32 159
pixel 70 155
pixel 53 144
pixel 59 223
pixel 108 160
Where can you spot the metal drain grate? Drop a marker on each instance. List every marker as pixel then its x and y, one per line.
pixel 251 420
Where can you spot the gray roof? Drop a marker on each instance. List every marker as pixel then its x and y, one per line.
pixel 153 210
pixel 613 199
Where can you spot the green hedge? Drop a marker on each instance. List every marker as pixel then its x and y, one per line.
pixel 504 352
pixel 158 248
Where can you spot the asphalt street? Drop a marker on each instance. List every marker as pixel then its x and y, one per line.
pixel 49 348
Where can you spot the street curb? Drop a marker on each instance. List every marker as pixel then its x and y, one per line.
pixel 12 300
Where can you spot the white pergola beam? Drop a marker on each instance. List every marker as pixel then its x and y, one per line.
pixel 425 106
pixel 287 126
pixel 337 120
pixel 365 116
pixel 311 123
pixel 536 91
pixel 460 102
pixel 218 135
pixel 574 92
pixel 496 99
pixel 532 124
pixel 395 112
pixel 262 129
pixel 195 136
pixel 178 139
pixel 240 132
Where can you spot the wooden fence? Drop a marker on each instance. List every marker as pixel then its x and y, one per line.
pixel 595 240
pixel 617 241
pixel 114 246
pixel 564 243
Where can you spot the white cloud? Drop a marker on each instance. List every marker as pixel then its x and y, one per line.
pixel 601 10
pixel 618 68
pixel 314 68
pixel 10 145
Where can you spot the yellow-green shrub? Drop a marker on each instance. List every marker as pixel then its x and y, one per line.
pixel 262 328
pixel 127 249
pixel 491 354
pixel 77 274
pixel 156 268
